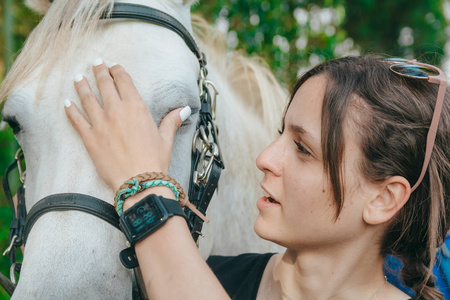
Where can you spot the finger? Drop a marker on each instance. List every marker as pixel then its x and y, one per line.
pixel 78 121
pixel 124 83
pixel 170 124
pixel 89 102
pixel 105 83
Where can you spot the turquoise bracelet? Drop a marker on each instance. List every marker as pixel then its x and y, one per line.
pixel 137 187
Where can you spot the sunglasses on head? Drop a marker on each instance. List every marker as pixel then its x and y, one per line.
pixel 417 70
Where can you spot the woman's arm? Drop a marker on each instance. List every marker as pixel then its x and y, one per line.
pixel 124 141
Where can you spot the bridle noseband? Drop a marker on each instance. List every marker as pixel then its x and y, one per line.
pixel 207 162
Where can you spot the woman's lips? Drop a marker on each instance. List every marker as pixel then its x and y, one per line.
pixel 266 202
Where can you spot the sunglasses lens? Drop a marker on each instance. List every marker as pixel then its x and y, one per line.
pixel 414 71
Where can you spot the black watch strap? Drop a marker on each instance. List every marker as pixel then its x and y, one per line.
pixel 148 215
pixel 173 207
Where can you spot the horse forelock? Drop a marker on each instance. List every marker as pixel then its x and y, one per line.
pixel 66 27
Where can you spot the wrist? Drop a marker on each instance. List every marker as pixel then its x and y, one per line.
pixel 148 215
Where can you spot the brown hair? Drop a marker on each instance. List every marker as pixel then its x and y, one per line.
pixel 392 115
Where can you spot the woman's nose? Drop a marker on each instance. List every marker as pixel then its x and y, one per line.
pixel 271 158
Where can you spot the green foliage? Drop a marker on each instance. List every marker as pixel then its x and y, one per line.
pixel 292 35
pixel 8 147
pixel 13 35
pixel 377 26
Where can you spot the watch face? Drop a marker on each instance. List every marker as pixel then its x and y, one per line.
pixel 143 218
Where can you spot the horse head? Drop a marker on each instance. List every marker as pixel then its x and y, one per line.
pixel 74 255
pixel 70 36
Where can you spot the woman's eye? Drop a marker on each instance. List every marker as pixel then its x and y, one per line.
pixel 301 149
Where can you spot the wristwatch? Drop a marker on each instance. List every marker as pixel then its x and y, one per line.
pixel 148 215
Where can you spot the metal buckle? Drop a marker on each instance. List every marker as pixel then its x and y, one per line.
pixel 204 140
pixel 209 84
pixel 11 245
pixel 209 151
pixel 12 272
pixel 204 87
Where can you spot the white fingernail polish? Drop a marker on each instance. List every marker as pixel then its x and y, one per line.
pixel 111 65
pixel 97 62
pixel 78 77
pixel 67 103
pixel 185 113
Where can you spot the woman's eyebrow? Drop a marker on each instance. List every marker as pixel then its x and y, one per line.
pixel 300 130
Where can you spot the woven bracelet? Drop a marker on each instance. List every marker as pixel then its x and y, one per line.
pixel 136 187
pixel 143 181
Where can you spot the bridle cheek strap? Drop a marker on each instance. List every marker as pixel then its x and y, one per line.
pixel 71 201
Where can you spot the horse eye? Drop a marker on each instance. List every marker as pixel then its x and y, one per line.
pixel 13 123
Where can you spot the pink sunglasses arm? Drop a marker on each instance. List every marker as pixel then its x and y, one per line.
pixel 442 81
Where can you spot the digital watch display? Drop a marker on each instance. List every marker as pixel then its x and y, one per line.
pixel 148 215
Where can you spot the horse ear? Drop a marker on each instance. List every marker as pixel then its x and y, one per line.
pixel 40 6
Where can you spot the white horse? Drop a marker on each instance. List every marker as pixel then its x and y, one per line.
pixel 74 255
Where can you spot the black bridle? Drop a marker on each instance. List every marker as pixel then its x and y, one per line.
pixel 206 165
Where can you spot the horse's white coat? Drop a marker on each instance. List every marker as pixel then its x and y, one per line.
pixel 72 255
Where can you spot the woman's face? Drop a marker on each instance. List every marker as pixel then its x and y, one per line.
pixel 301 211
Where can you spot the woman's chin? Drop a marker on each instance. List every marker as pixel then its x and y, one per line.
pixel 269 231
pixel 262 228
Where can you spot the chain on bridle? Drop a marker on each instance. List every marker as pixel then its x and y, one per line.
pixel 207 162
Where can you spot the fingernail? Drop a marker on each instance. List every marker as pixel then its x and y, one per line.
pixel 97 62
pixel 78 77
pixel 185 113
pixel 111 65
pixel 67 103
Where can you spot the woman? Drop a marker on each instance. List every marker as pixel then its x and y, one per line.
pixel 343 185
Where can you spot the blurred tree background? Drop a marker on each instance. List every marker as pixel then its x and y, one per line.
pixel 291 35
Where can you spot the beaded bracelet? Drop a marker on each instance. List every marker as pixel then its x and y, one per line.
pixel 146 180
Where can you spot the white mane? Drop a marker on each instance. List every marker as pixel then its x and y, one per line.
pixel 249 77
pixel 65 26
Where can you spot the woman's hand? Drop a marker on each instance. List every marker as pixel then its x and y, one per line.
pixel 123 141
pixel 121 137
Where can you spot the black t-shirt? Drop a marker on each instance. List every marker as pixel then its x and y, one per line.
pixel 241 275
